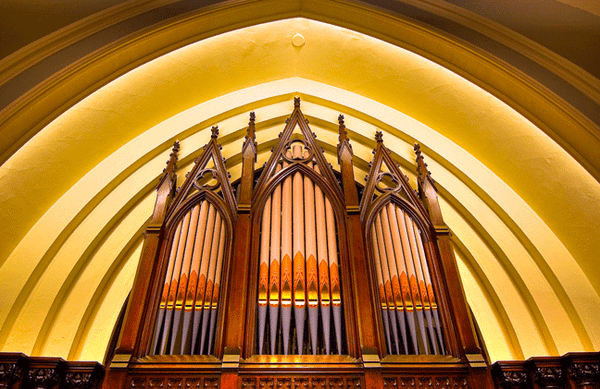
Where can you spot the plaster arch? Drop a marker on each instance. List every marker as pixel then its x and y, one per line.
pixel 527 280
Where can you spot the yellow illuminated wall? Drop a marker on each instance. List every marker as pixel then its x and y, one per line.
pixel 523 209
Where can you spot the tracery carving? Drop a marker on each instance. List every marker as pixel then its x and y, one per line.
pixel 584 373
pixel 548 377
pixel 10 373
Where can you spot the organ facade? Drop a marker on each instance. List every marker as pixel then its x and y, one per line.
pixel 296 275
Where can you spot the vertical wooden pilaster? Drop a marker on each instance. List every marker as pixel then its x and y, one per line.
pixel 366 315
pixel 480 372
pixel 237 285
pixel 128 345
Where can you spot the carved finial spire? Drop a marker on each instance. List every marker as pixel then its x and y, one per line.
pixel 251 128
pixel 297 102
pixel 379 136
pixel 342 130
pixel 172 162
pixel 214 132
pixel 422 171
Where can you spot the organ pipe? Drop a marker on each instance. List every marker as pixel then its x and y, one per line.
pixel 215 294
pixel 202 277
pixel 274 268
pixel 190 295
pixel 171 309
pixel 430 293
pixel 406 259
pixel 404 285
pixel 194 271
pixel 286 260
pixel 298 219
pixel 323 264
pixel 312 271
pixel 299 255
pixel 394 311
pixel 334 274
pixel 382 297
pixel 263 274
pixel 404 228
pixel 183 281
pixel 214 251
pixel 159 332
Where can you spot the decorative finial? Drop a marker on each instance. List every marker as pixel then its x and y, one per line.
pixel 214 132
pixel 172 162
pixel 297 102
pixel 176 147
pixel 251 128
pixel 417 148
pixel 342 129
pixel 421 165
pixel 379 136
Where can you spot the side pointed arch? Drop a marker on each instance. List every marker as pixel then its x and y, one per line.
pixel 399 233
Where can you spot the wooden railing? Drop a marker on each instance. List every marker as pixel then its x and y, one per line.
pixel 18 371
pixel 571 371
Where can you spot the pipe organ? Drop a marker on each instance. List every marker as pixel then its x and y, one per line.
pixel 296 275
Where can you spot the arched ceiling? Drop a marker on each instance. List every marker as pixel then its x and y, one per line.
pixel 82 153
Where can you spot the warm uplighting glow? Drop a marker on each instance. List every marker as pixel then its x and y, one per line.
pixel 75 197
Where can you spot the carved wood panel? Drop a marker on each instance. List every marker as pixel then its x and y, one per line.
pixel 174 382
pixel 296 382
pixel 425 381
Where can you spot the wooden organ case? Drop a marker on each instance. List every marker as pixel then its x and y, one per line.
pixel 298 278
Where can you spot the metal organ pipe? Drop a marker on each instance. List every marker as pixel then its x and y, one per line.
pixel 404 284
pixel 263 274
pixel 190 293
pixel 430 293
pixel 323 265
pixel 286 259
pixel 298 219
pixel 312 271
pixel 299 257
pixel 406 259
pixel 394 311
pixel 382 297
pixel 274 268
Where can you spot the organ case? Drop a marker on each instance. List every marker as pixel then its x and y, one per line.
pixel 302 277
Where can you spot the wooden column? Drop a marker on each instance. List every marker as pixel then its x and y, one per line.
pixel 129 344
pixel 237 285
pixel 470 351
pixel 366 313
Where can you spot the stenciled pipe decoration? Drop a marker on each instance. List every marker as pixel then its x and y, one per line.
pixel 188 308
pixel 404 285
pixel 298 267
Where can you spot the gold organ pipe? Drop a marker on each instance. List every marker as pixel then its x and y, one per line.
pixel 431 295
pixel 160 329
pixel 323 263
pixel 214 251
pixel 381 288
pixel 406 259
pixel 215 293
pixel 334 274
pixel 286 258
pixel 180 332
pixel 171 301
pixel 274 268
pixel 202 275
pixel 391 303
pixel 312 271
pixel 263 273
pixel 299 275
